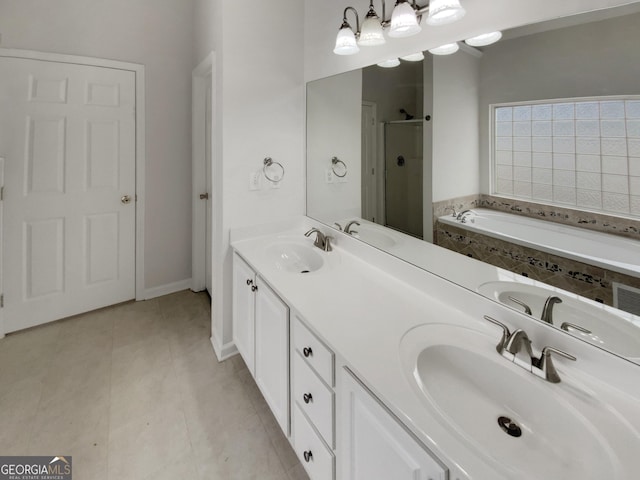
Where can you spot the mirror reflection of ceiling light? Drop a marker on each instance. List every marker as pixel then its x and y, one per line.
pixel 404 22
pixel 392 62
pixel 484 39
pixel 414 57
pixel 446 49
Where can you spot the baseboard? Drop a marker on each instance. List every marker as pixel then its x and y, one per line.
pixel 167 289
pixel 223 352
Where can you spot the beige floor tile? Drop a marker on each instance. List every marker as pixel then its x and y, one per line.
pixel 88 377
pixel 148 444
pixel 243 453
pixel 183 469
pixel 135 360
pixel 297 473
pixel 132 399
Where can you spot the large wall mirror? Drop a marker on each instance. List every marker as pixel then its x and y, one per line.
pixel 523 156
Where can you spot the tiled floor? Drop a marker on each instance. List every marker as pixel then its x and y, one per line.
pixel 135 392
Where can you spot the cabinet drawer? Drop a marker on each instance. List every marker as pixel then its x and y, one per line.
pixel 313 397
pixel 316 458
pixel 319 357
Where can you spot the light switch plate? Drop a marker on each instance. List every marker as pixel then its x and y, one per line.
pixel 255 180
pixel 329 176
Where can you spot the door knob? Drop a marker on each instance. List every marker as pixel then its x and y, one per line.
pixel 125 199
pixel 204 196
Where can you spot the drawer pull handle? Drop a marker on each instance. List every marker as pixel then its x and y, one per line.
pixel 307 352
pixel 307 397
pixel 254 288
pixel 249 281
pixel 308 456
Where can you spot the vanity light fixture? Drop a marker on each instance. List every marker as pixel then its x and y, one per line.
pixel 346 40
pixel 404 22
pixel 372 33
pixel 392 62
pixel 446 49
pixel 442 12
pixel 414 57
pixel 484 39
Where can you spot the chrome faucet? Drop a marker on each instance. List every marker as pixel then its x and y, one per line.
pixel 512 344
pixel 338 226
pixel 347 228
pixel 461 216
pixel 453 209
pixel 323 242
pixel 547 311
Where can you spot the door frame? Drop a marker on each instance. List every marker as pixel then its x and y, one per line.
pixel 140 154
pixel 199 76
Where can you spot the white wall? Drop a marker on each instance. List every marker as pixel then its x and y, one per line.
pixel 157 34
pixel 334 126
pixel 322 20
pixel 260 113
pixel 455 126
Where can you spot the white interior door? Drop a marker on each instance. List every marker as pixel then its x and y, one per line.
pixel 209 214
pixel 67 133
pixel 369 162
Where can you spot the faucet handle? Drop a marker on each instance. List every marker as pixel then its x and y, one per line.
pixel 505 333
pixel 545 366
pixel 566 326
pixel 327 243
pixel 338 226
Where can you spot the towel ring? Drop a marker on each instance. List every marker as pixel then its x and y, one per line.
pixel 274 178
pixel 335 161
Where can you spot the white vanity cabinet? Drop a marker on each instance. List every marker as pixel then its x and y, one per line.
pixel 313 400
pixel 261 334
pixel 373 444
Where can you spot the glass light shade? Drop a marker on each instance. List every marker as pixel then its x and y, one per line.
pixel 404 21
pixel 371 33
pixel 392 62
pixel 484 39
pixel 446 49
pixel 442 12
pixel 346 42
pixel 414 57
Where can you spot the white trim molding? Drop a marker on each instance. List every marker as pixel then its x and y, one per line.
pixel 167 289
pixel 223 351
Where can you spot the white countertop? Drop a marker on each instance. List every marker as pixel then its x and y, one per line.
pixel 363 301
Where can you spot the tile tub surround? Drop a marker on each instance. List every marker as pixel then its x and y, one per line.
pixel 586 280
pixel 134 391
pixel 599 222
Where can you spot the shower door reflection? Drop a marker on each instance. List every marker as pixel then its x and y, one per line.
pixel 403 176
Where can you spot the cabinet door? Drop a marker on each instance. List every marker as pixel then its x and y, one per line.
pixel 372 442
pixel 243 310
pixel 272 352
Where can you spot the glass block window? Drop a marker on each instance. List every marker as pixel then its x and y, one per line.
pixel 583 153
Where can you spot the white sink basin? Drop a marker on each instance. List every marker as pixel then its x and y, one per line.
pixel 295 257
pixel 608 330
pixel 468 386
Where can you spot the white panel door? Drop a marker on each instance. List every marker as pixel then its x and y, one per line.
pixel 272 352
pixel 67 133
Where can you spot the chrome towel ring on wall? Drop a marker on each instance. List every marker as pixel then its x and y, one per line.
pixel 335 163
pixel 276 169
